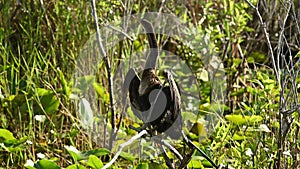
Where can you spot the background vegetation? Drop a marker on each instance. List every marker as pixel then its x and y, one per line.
pixel 41 40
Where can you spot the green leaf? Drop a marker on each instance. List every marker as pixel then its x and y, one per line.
pixel 240 119
pixel 195 163
pixel 94 162
pixel 75 154
pixel 127 156
pixel 48 100
pixel 199 129
pixel 66 88
pixel 239 92
pixel 155 166
pixel 6 135
pixel 238 137
pixel 189 116
pixel 97 152
pixel 46 164
pixel 142 166
pixel 101 91
pixel 75 166
pixel 250 60
pixel 15 142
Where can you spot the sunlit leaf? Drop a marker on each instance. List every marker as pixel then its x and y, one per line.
pixel 75 154
pixel 6 135
pixel 195 163
pixel 240 119
pixel 46 164
pixel 94 162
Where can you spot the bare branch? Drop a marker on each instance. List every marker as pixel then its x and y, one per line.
pixel 110 80
pixel 276 68
pixel 127 143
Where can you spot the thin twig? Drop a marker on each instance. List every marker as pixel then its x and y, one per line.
pixel 167 159
pixel 127 143
pixel 172 149
pixel 110 80
pixel 268 40
pixel 120 31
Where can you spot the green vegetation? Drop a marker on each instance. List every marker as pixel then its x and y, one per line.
pixel 41 127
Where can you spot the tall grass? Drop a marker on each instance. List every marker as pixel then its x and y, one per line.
pixel 37 41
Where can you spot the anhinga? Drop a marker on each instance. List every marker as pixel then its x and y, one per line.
pixel 157 105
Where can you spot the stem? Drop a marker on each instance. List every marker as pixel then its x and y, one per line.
pixel 108 68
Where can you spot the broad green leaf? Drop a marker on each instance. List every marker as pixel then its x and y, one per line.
pixel 15 142
pixel 97 152
pixel 75 154
pixel 236 61
pixel 43 92
pixel 46 164
pixel 6 135
pixel 48 100
pixel 240 119
pixel 142 166
pixel 94 162
pixel 258 57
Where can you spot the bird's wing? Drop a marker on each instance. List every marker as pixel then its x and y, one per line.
pixel 131 84
pixel 175 95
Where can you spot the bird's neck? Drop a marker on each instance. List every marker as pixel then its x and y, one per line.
pixel 151 59
pixel 148 81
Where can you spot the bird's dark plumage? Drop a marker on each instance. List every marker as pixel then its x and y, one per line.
pixel 157 105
